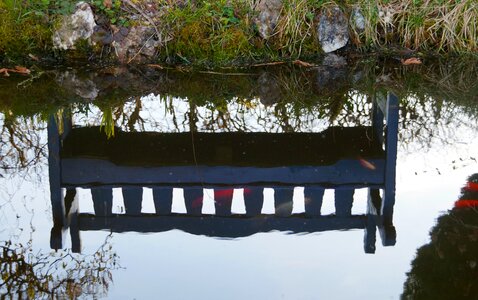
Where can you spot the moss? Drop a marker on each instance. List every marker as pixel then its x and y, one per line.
pixel 23 32
pixel 223 32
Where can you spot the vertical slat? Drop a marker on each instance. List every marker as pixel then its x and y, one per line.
pixel 374 204
pixel 163 199
pixel 390 158
pixel 133 199
pixel 283 201
pixel 343 202
pixel 370 236
pixel 71 207
pixel 54 170
pixel 56 237
pixel 313 198
pixel 253 200
pixel 377 121
pixel 223 201
pixel 193 199
pixel 67 124
pixel 58 232
pixel 388 234
pixel 102 201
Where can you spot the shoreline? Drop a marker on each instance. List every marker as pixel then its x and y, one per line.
pixel 236 33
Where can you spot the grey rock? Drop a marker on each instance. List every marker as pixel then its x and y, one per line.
pixel 75 27
pixel 101 35
pixel 139 44
pixel 357 20
pixel 84 87
pixel 269 12
pixel 334 61
pixel 332 29
pixel 268 89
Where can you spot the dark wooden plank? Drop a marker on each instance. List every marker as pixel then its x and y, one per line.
pixel 102 200
pixel 54 173
pixel 343 202
pixel 253 200
pixel 223 201
pixel 283 201
pixel 313 198
pixel 215 226
pixel 163 199
pixel 132 199
pixel 193 200
pixel 391 158
pixel 90 172
pixel 218 149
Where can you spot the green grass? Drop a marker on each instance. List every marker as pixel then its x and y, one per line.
pixel 223 32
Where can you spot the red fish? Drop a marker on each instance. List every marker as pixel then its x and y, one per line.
pixel 221 197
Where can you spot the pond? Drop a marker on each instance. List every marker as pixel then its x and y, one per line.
pixel 338 181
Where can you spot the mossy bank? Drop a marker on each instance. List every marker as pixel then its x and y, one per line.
pixel 231 32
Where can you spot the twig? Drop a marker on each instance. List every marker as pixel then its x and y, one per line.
pixel 139 51
pixel 269 64
pixel 228 74
pixel 144 15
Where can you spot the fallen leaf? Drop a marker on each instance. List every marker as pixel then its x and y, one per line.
pixel 411 61
pixel 155 66
pixel 303 64
pixel 21 70
pixel 108 3
pixel 5 72
pixel 18 69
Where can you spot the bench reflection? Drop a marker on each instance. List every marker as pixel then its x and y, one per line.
pixel 341 159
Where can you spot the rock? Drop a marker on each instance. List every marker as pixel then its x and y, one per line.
pixel 332 75
pixel 269 11
pixel 101 35
pixel 75 27
pixel 332 29
pixel 268 89
pixel 334 61
pixel 139 44
pixel 358 20
pixel 83 87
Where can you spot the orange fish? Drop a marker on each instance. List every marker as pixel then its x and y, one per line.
pixel 367 164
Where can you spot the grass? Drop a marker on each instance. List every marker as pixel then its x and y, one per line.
pixel 438 26
pixel 222 32
pixel 24 28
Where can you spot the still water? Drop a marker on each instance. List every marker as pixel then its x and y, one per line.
pixel 266 183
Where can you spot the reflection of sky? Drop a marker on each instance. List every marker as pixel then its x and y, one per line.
pixel 329 265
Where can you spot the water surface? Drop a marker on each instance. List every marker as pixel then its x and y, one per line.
pixel 269 183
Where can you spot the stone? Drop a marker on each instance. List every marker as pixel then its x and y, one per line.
pixel 334 61
pixel 357 20
pixel 332 75
pixel 268 89
pixel 75 27
pixel 269 12
pixel 139 44
pixel 84 87
pixel 332 29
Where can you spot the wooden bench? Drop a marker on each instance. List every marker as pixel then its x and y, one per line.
pixel 340 158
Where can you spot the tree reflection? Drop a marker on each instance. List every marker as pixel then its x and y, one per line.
pixel 21 144
pixel 447 267
pixel 29 274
